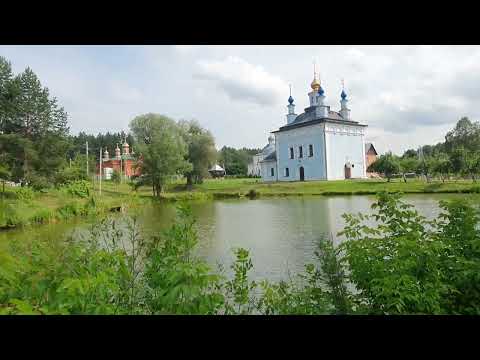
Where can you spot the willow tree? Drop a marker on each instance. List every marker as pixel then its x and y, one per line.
pixel 201 150
pixel 162 150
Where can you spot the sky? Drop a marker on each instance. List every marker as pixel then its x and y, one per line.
pixel 407 95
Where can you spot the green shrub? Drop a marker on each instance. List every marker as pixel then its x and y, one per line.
pixel 475 189
pixel 252 194
pixel 116 177
pixel 180 283
pixel 25 193
pixel 80 188
pixel 11 216
pixel 38 182
pixel 42 216
pixel 70 210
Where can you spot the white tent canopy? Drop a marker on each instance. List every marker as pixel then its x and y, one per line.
pixel 216 167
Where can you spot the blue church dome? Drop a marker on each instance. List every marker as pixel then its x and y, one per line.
pixel 290 100
pixel 343 95
pixel 320 91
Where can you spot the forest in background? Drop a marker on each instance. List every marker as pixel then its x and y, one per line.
pixel 457 157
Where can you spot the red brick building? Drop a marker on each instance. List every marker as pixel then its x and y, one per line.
pixel 124 163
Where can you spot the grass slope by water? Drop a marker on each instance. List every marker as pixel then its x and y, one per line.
pixel 54 205
pixel 242 187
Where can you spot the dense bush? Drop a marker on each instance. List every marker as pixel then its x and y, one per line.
pixel 38 182
pixel 252 194
pixel 25 193
pixel 408 265
pixel 116 177
pixel 42 216
pixel 80 188
pixel 71 209
pixel 10 216
pixel 180 283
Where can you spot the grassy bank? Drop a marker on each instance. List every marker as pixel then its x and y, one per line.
pixel 223 188
pixel 23 207
pixel 238 188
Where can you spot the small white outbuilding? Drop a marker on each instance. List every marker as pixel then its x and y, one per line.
pixel 217 171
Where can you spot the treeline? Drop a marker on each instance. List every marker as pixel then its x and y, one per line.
pixel 457 157
pixel 235 161
pixel 96 142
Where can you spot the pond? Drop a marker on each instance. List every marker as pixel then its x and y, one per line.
pixel 280 233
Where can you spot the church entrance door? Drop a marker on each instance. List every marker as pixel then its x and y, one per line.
pixel 348 172
pixel 302 174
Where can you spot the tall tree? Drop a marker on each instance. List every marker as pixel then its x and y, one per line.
pixel 442 167
pixel 408 165
pixel 37 113
pixel 472 164
pixel 8 93
pixel 457 160
pixel 33 128
pixel 201 150
pixel 466 134
pixel 386 164
pixel 162 149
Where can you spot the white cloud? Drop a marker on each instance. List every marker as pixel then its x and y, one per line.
pixel 355 54
pixel 240 80
pixel 125 93
pixel 185 49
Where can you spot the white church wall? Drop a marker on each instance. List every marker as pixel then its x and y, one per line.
pixel 314 167
pixel 254 167
pixel 344 144
pixel 266 170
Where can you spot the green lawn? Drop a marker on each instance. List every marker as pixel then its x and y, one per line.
pixel 243 186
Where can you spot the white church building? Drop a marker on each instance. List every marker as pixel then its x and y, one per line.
pixel 319 144
pixel 255 167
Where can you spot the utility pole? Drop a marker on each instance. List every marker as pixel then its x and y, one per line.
pixel 121 169
pixel 100 186
pixel 86 143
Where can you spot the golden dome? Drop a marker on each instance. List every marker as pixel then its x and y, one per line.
pixel 315 84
